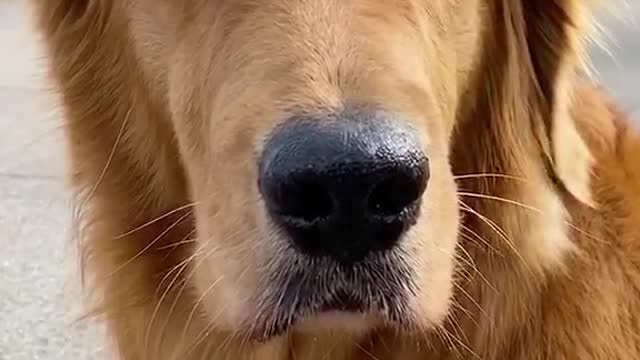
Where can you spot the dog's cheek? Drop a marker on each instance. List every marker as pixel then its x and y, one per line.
pixel 432 245
pixel 225 278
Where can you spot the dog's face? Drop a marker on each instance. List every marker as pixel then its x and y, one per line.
pixel 316 139
pixel 315 135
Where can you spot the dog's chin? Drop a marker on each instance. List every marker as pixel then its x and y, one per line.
pixel 327 322
pixel 349 323
pixel 356 323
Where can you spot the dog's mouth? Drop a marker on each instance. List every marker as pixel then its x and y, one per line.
pixel 376 291
pixel 344 311
pixel 343 302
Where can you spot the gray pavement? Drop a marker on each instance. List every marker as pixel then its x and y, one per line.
pixel 38 291
pixel 618 68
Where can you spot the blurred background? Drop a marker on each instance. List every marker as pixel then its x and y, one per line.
pixel 39 297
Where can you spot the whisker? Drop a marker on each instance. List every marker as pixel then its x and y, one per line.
pixel 163 216
pixel 185 240
pixel 532 208
pixel 473 301
pixel 197 304
pixel 477 271
pixel 482 240
pixel 497 229
pixel 365 351
pixel 111 154
pixel 205 333
pixel 229 339
pixel 462 344
pixel 470 265
pixel 587 234
pixel 150 245
pixel 485 219
pixel 185 283
pixel 182 262
pixel 179 243
pixel 245 338
pixel 233 236
pixel 465 311
pixel 159 304
pixel 459 333
pixel 183 266
pixel 497 198
pixel 173 306
pixel 446 339
pixel 489 175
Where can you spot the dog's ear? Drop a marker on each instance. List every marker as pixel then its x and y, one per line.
pixel 556 32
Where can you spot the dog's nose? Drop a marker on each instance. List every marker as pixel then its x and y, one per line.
pixel 343 187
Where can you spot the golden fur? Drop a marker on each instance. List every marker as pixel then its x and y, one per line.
pixel 531 216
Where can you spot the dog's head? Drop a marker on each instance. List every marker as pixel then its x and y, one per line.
pixel 319 138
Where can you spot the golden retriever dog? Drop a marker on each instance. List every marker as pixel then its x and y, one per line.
pixel 348 179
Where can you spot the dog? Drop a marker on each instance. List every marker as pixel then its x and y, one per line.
pixel 332 179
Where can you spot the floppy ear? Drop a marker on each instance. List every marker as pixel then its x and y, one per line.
pixel 556 31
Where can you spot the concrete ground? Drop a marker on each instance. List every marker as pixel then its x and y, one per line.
pixel 38 290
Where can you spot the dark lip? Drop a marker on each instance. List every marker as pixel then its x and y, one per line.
pixel 264 334
pixel 344 302
pixel 399 324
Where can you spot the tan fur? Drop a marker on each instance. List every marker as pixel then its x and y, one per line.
pixel 168 102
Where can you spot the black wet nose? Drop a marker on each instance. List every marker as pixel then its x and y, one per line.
pixel 343 187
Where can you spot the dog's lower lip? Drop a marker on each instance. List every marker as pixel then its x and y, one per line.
pixel 341 303
pixel 274 332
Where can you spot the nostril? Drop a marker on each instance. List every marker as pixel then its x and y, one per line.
pixel 396 193
pixel 400 189
pixel 305 200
